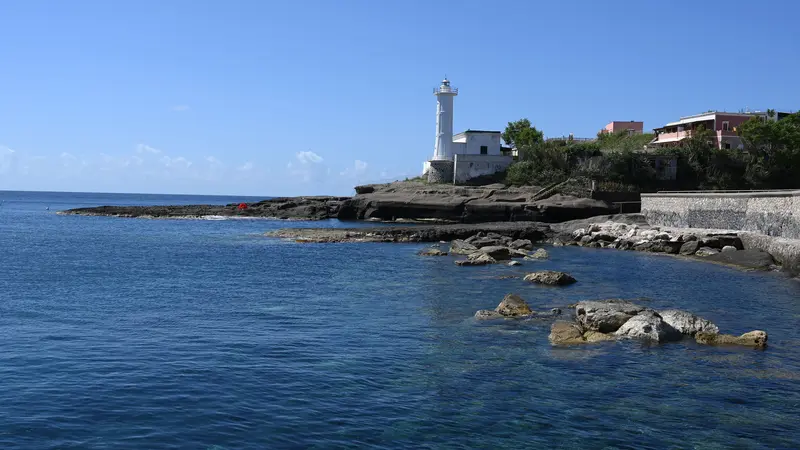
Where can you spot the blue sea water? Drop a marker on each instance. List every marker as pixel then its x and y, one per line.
pixel 202 334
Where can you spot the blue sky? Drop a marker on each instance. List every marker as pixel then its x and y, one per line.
pixel 313 97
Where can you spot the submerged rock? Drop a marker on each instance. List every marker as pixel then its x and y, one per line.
pixel 687 323
pixel 596 336
pixel 431 252
pixel 565 333
pixel 649 326
pixel 487 314
pixel 460 247
pixel 512 306
pixel 757 339
pixel 550 277
pixel 514 263
pixel 605 316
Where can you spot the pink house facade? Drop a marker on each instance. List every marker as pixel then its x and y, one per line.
pixel 723 126
pixel 631 127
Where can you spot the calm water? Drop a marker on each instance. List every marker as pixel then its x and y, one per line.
pixel 126 333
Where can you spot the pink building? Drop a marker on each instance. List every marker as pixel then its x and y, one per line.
pixel 617 126
pixel 722 125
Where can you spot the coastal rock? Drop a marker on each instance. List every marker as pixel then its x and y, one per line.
pixel 476 259
pixel 524 244
pixel 757 339
pixel 486 242
pixel 579 233
pixel 690 247
pixel 431 252
pixel 585 240
pixel 706 251
pixel 565 333
pixel 603 236
pixel 596 336
pixel 648 325
pixel 514 263
pixel 550 277
pixel 497 252
pixel 486 314
pixel 747 259
pixel 538 254
pixel 513 306
pixel 728 248
pixel 605 316
pixel 664 246
pixel 460 247
pixel 687 323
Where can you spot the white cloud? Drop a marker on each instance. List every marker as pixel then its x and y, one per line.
pixel 142 148
pixel 246 166
pixel 309 157
pixel 181 108
pixel 176 162
pixel 212 160
pixel 359 168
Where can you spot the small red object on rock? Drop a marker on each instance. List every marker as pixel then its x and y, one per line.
pixel 242 206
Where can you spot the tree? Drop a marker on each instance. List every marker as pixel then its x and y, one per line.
pixel 521 133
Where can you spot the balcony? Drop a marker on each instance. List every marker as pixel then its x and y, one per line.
pixel 445 90
pixel 665 138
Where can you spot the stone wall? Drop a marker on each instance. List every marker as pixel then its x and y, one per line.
pixel 773 213
pixel 440 171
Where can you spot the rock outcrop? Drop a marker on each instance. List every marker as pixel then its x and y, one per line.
pixel 565 333
pixel 648 326
pixel 460 247
pixel 550 277
pixel 298 208
pixel 416 200
pixel 687 323
pixel 539 254
pixel 513 306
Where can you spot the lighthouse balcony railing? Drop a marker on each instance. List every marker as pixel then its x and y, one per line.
pixel 441 90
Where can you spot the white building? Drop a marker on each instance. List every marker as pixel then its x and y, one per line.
pixel 466 155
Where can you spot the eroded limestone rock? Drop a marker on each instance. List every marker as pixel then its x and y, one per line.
pixel 687 323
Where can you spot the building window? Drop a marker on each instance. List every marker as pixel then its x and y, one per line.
pixel 727 145
pixel 484 150
pixel 726 126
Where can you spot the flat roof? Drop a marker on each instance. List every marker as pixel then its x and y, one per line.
pixel 480 131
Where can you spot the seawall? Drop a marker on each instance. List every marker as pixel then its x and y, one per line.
pixel 765 220
pixel 772 213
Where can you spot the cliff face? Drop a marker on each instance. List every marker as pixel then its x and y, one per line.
pixel 492 203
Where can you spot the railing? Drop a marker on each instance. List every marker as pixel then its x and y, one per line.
pixel 445 90
pixel 568 138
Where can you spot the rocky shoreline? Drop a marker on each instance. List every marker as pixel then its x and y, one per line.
pixel 410 201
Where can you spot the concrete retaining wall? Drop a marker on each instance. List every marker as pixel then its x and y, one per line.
pixel 473 166
pixel 773 213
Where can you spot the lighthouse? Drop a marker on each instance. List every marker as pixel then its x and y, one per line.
pixel 443 150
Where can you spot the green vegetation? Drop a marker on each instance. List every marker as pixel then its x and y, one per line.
pixel 771 159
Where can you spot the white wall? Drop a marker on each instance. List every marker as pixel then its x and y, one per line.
pixel 471 166
pixel 476 140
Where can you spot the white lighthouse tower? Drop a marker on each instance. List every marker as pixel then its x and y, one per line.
pixel 443 150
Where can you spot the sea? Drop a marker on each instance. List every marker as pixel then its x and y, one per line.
pixel 206 334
